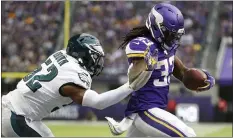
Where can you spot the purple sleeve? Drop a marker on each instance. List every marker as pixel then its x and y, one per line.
pixel 135 49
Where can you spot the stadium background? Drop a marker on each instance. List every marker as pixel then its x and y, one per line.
pixel 30 31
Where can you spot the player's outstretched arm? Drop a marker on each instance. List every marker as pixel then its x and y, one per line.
pixel 135 68
pixel 142 65
pixel 91 98
pixel 180 69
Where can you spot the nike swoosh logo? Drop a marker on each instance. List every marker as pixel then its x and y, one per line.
pixel 136 43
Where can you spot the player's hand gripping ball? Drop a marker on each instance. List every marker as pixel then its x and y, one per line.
pixel 198 80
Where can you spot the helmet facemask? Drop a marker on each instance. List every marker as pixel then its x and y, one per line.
pixel 92 61
pixel 171 38
pixel 97 64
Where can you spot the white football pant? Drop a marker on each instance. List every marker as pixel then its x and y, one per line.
pixel 14 125
pixel 156 122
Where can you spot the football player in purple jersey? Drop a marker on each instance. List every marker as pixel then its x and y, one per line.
pixel 145 114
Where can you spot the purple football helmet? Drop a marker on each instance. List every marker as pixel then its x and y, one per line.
pixel 166 24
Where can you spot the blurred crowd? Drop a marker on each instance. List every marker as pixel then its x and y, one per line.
pixel 110 21
pixel 226 18
pixel 29 33
pixel 30 29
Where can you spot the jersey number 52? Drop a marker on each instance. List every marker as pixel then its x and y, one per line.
pixel 34 80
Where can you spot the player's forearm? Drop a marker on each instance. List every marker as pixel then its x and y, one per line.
pixel 179 69
pixel 105 99
pixel 135 68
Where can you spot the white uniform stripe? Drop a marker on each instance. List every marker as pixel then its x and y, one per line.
pixel 157 15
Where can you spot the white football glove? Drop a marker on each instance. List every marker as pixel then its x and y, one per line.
pixel 119 128
pixel 114 126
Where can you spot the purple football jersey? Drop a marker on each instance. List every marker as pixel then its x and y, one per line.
pixel 155 92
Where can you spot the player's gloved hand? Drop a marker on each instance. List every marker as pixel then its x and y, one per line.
pixel 210 81
pixel 151 59
pixel 119 128
pixel 114 126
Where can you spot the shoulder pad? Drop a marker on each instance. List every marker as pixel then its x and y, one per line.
pixel 137 47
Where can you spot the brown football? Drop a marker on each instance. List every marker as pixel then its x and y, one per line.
pixel 194 78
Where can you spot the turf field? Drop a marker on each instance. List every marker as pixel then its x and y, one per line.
pixel 100 129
